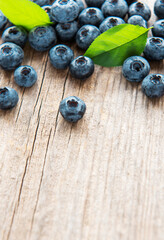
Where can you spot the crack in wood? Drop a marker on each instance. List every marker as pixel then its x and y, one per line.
pixel 20 106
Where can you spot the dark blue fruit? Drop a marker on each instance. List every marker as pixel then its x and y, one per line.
pixel 25 76
pixel 72 109
pixel 117 8
pixel 110 22
pixel 81 67
pixel 158 28
pixel 159 8
pixel 140 8
pixel 80 4
pixel 92 16
pixel 153 85
pixel 64 11
pixel 61 56
pixel 42 38
pixel 8 98
pixel 95 3
pixel 137 20
pixel 11 56
pixel 41 2
pixel 154 49
pixel 3 20
pixel 86 35
pixel 135 68
pixel 67 31
pixel 15 35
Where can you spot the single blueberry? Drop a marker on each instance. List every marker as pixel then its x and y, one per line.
pixel 3 20
pixel 135 68
pixel 95 3
pixel 159 8
pixel 158 28
pixel 64 11
pixel 117 8
pixel 86 35
pixel 153 85
pixel 140 8
pixel 72 109
pixel 92 16
pixel 137 20
pixel 8 98
pixel 154 49
pixel 61 56
pixel 67 31
pixel 25 76
pixel 11 56
pixel 80 4
pixel 81 67
pixel 42 38
pixel 41 2
pixel 17 35
pixel 47 9
pixel 110 22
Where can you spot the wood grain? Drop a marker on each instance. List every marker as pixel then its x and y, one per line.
pixel 102 178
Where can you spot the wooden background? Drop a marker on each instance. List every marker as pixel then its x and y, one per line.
pixel 99 179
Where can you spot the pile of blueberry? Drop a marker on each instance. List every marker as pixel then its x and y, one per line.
pixel 73 21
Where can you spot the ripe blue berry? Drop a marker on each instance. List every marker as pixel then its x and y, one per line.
pixel 135 68
pixel 67 31
pixel 110 22
pixel 3 20
pixel 158 30
pixel 72 109
pixel 92 16
pixel 95 3
pixel 137 20
pixel 80 4
pixel 154 49
pixel 11 56
pixel 61 56
pixel 41 2
pixel 139 8
pixel 159 8
pixel 8 98
pixel 64 11
pixel 16 35
pixel 42 38
pixel 117 8
pixel 25 76
pixel 153 85
pixel 81 67
pixel 86 35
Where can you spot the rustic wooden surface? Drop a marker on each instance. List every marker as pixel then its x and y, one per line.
pixel 101 179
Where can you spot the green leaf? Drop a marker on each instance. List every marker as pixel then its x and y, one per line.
pixel 112 47
pixel 24 13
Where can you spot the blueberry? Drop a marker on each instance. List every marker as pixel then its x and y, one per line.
pixel 110 22
pixel 159 8
pixel 92 16
pixel 95 3
pixel 153 85
pixel 86 35
pixel 47 9
pixel 135 68
pixel 137 20
pixel 11 56
pixel 80 4
pixel 42 38
pixel 64 11
pixel 154 49
pixel 118 8
pixel 61 56
pixel 25 76
pixel 81 67
pixel 139 8
pixel 72 109
pixel 3 20
pixel 41 2
pixel 158 30
pixel 8 98
pixel 67 31
pixel 16 35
